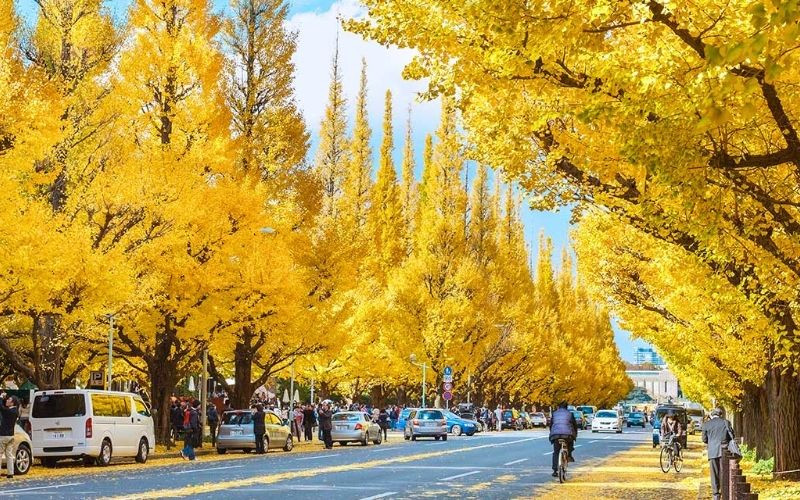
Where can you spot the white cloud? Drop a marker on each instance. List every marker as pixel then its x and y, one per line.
pixel 315 46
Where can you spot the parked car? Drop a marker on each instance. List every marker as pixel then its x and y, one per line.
pixel 579 419
pixel 696 417
pixel 607 420
pixel 401 419
pixel 355 427
pixel 23 454
pixel 511 420
pixel 426 423
pixel 658 417
pixel 538 419
pixel 526 420
pixel 636 418
pixel 457 424
pixel 471 417
pixel 90 424
pixel 236 432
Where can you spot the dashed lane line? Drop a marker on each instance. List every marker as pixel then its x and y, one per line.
pixel 450 478
pixel 319 456
pixel 382 495
pixel 515 461
pixel 23 490
pixel 192 471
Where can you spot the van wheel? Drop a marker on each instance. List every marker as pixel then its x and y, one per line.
pixel 22 460
pixel 144 451
pixel 105 453
pixel 49 462
pixel 222 451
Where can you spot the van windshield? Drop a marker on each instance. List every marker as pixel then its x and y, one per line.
pixel 59 406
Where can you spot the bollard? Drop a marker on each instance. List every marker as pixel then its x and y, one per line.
pixel 736 488
pixel 723 475
pixel 743 490
pixel 732 478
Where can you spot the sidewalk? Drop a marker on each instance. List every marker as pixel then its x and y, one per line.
pixel 632 475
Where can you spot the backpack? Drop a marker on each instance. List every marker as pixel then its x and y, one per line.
pixel 186 418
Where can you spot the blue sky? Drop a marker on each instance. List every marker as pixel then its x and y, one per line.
pixel 315 22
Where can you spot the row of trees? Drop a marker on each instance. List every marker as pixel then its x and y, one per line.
pixel 155 171
pixel 672 127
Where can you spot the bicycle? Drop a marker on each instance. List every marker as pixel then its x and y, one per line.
pixel 563 459
pixel 669 459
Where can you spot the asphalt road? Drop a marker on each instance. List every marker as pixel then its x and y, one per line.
pixel 487 465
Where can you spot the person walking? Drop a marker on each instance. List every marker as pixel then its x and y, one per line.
pixel 259 428
pixel 383 422
pixel 717 432
pixel 9 413
pixel 325 416
pixel 309 421
pixel 176 421
pixel 297 421
pixel 191 428
pixel 498 415
pixel 212 417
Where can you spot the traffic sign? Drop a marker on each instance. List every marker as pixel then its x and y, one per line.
pixel 448 386
pixel 448 371
pixel 96 379
pixel 447 396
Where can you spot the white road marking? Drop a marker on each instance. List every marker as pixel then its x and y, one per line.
pixel 382 495
pixel 590 442
pixel 192 471
pixel 578 445
pixel 385 448
pixel 515 461
pixel 549 453
pixel 11 492
pixel 460 475
pixel 319 456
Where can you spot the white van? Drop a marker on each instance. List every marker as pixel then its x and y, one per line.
pixel 90 424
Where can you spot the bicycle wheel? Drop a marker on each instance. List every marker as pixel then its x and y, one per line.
pixel 677 462
pixel 665 460
pixel 562 466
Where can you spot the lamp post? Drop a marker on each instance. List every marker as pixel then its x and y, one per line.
pixel 424 366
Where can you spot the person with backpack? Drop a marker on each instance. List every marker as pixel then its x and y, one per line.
pixel 176 421
pixel 191 428
pixel 383 422
pixel 212 417
pixel 717 433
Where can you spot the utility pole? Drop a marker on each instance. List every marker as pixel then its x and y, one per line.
pixel 110 373
pixel 204 397
pixel 469 386
pixel 291 391
pixel 312 391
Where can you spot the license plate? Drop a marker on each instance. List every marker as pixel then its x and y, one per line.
pixel 430 424
pixel 58 435
pixel 236 433
pixel 341 427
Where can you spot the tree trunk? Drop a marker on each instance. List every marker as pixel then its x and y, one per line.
pixel 750 421
pixel 783 396
pixel 243 373
pixel 46 328
pixel 163 378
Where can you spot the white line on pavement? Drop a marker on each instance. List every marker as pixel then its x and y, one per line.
pixel 548 453
pixel 460 475
pixel 382 495
pixel 590 442
pixel 385 448
pixel 192 471
pixel 578 445
pixel 319 456
pixel 515 461
pixel 10 492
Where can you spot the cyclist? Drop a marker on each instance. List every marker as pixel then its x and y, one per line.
pixel 671 426
pixel 562 426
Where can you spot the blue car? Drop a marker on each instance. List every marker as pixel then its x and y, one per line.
pixel 457 425
pixel 401 420
pixel 636 418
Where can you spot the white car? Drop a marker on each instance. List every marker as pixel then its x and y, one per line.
pixel 695 419
pixel 90 424
pixel 23 455
pixel 538 419
pixel 607 420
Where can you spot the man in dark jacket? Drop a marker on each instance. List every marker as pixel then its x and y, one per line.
pixel 212 417
pixel 562 426
pixel 9 413
pixel 259 428
pixel 325 416
pixel 176 420
pixel 191 428
pixel 717 432
pixel 309 421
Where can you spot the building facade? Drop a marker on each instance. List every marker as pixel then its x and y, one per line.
pixel 661 385
pixel 648 355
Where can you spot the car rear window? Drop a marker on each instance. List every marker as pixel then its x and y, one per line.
pixel 695 413
pixel 541 415
pixel 59 406
pixel 636 415
pixel 606 414
pixel 346 417
pixel 430 415
pixel 242 418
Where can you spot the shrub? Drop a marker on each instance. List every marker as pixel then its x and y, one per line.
pixel 764 467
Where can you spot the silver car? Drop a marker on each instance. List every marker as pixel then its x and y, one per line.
pixel 354 426
pixel 23 456
pixel 236 432
pixel 425 423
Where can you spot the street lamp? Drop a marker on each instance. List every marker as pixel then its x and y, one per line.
pixel 413 359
